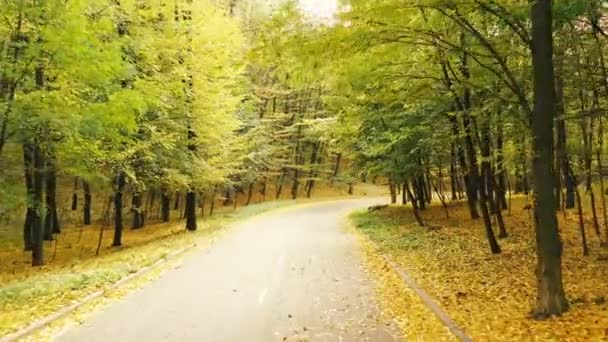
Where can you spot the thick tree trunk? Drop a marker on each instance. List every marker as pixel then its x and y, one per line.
pixel 191 211
pixel 118 205
pixel 551 299
pixel 86 208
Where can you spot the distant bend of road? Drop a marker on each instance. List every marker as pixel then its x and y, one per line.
pixel 290 275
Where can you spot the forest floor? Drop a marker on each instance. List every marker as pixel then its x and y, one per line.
pixel 73 271
pixel 489 296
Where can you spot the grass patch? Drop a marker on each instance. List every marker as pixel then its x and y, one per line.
pixel 491 296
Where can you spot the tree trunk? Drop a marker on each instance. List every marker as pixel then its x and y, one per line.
pixel 453 173
pixel 28 168
pixel 393 191
pixel 600 167
pixel 191 211
pixel 280 182
pixel 118 204
pixel 86 208
pixel 74 205
pixel 337 166
pixel 166 206
pixel 487 191
pixel 177 201
pixel 212 204
pixel 551 299
pixel 581 222
pixel 249 193
pixel 263 189
pixel 137 211
pixel 501 182
pixel 51 222
pixel 37 218
pixel 414 201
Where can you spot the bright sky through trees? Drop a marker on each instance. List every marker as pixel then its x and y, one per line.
pixel 320 8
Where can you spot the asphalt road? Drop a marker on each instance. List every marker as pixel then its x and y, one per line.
pixel 292 275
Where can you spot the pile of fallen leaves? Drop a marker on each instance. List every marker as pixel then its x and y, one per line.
pixel 490 296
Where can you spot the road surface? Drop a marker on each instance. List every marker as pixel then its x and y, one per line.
pixel 292 275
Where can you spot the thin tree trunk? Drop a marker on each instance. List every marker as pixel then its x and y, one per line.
pixel 74 205
pixel 212 205
pixel 280 182
pixel 201 203
pixel 600 167
pixel 51 223
pixel 37 218
pixel 393 191
pixel 118 205
pixel 453 173
pixel 137 211
pixel 337 166
pixel 249 193
pixel 86 208
pixel 28 168
pixel 166 206
pixel 581 222
pixel 414 201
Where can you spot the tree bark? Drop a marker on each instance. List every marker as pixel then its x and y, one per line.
pixel 393 191
pixel 551 299
pixel 118 204
pixel 28 168
pixel 191 210
pixel 137 211
pixel 51 222
pixel 37 217
pixel 86 208
pixel 74 205
pixel 166 206
pixel 414 201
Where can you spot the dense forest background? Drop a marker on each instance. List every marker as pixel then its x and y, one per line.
pixel 126 111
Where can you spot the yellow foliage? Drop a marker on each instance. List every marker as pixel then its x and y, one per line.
pixel 400 303
pixel 491 296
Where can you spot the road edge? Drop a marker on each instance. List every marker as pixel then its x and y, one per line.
pixel 428 301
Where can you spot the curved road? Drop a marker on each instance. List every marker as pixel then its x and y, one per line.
pixel 292 275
